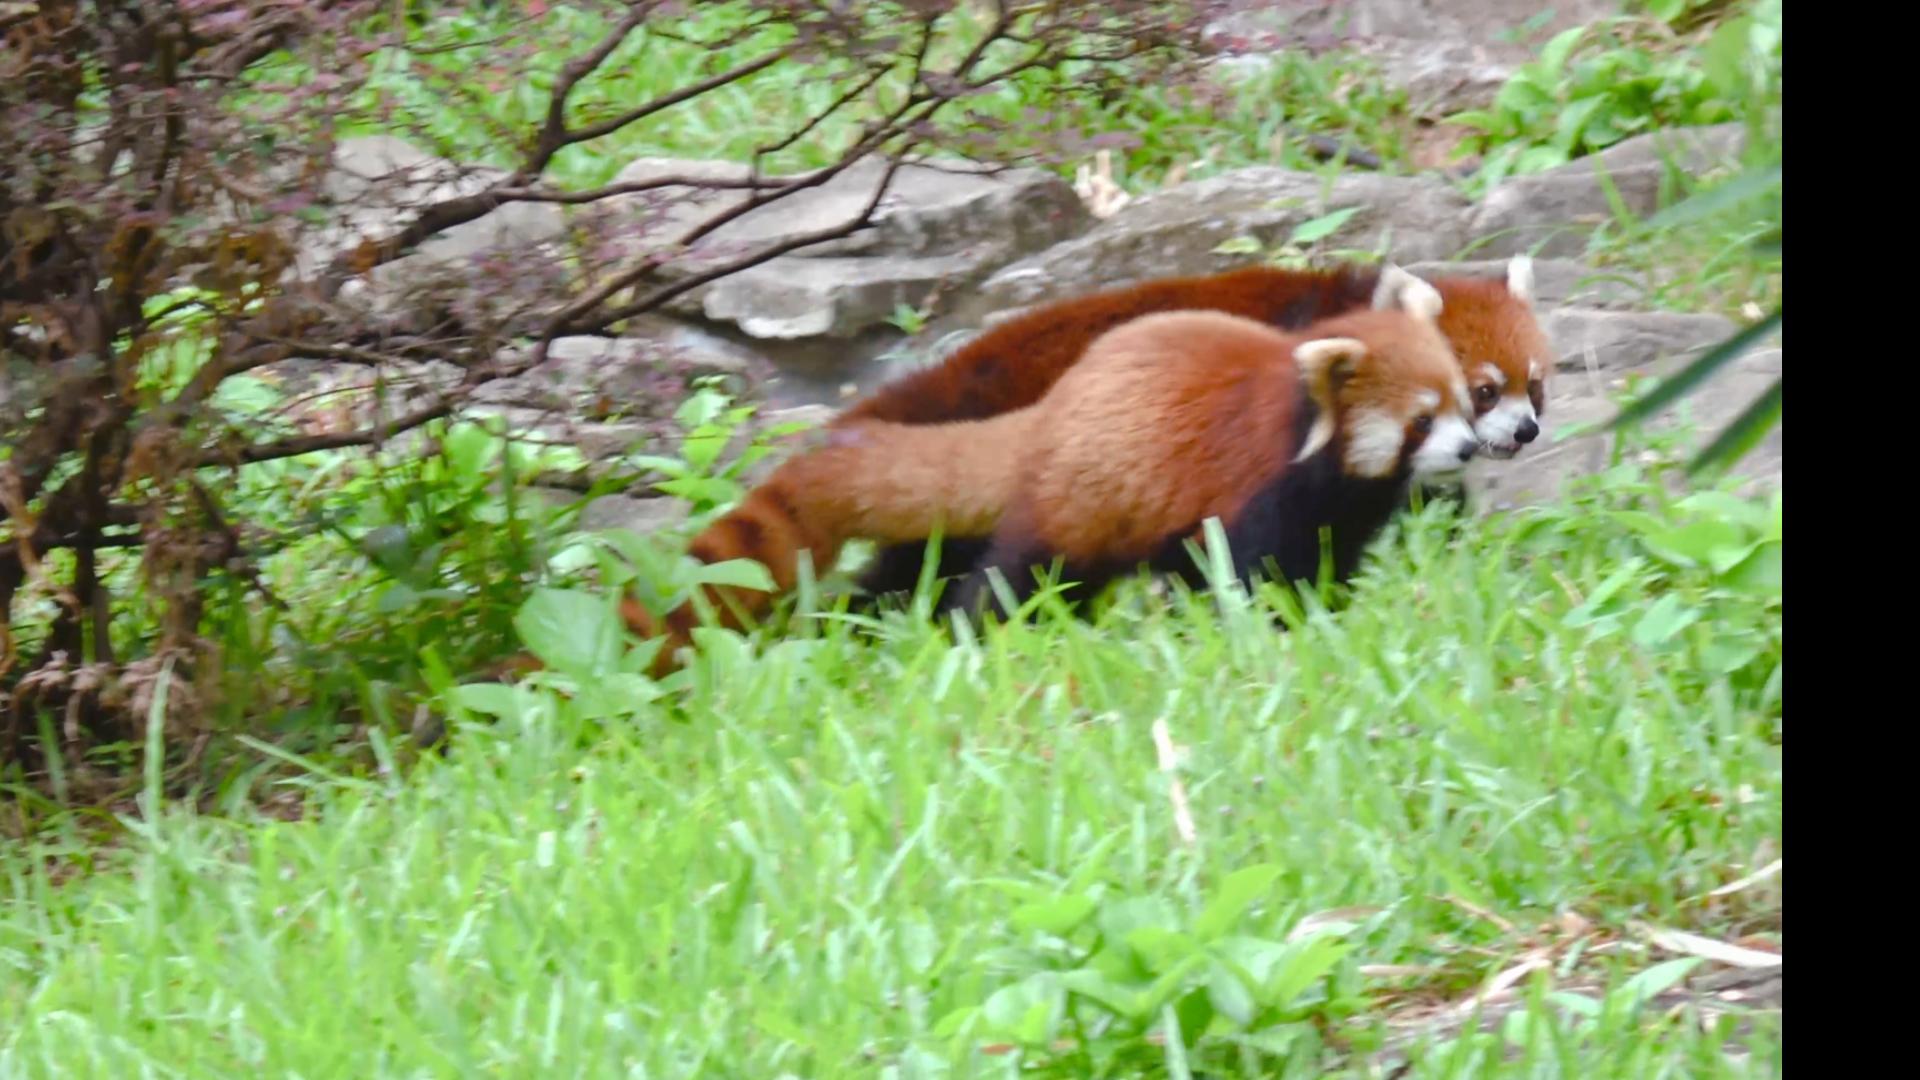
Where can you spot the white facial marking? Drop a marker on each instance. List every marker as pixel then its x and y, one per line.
pixel 1440 453
pixel 1496 429
pixel 1494 375
pixel 1533 369
pixel 1428 399
pixel 1373 446
pixel 1462 395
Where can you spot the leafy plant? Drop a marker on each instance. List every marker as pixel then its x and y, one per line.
pixel 1303 244
pixel 908 319
pixel 710 422
pixel 1594 85
pixel 1104 973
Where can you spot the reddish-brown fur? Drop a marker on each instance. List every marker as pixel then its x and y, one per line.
pixel 1012 364
pixel 1181 416
pixel 917 479
pixel 1170 419
pixel 876 479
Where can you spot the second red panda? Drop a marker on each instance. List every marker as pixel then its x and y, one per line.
pixel 1165 421
pixel 1503 352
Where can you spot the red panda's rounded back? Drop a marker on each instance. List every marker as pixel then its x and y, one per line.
pixel 1169 416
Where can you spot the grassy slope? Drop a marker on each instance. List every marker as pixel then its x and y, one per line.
pixel 812 865
pixel 797 878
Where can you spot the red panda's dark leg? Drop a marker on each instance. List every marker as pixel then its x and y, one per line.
pixel 1022 564
pixel 896 568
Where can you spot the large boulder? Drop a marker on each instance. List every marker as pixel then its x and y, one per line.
pixel 940 226
pixel 378 182
pixel 1179 230
pixel 1588 339
pixel 644 371
pixel 1555 212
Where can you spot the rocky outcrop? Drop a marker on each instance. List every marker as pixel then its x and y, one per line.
pixel 1180 230
pixel 1555 212
pixel 812 327
pixel 938 227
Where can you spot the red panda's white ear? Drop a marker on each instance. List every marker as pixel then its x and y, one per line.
pixel 1520 278
pixel 1324 363
pixel 1399 289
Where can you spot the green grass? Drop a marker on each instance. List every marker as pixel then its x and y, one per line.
pixel 840 854
pixel 848 850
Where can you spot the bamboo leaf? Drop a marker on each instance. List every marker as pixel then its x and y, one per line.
pixel 1743 434
pixel 1686 380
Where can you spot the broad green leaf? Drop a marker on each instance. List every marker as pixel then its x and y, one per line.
pixel 1235 895
pixel 708 490
pixel 1057 916
pixel 737 573
pixel 1257 957
pixel 1667 617
pixel 1759 572
pixel 570 631
pixel 491 699
pixel 1306 963
pixel 1553 56
pixel 1195 1013
pixel 1237 245
pixel 1573 120
pixel 1116 920
pixel 1588 611
pixel 1030 1010
pixel 701 447
pixel 1695 543
pixel 1653 982
pixel 1277 1041
pixel 1231 996
pixel 954 1022
pixel 1321 227
pixel 1159 948
pixel 1122 999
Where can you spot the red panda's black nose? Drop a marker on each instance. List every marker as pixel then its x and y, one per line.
pixel 1466 451
pixel 1526 432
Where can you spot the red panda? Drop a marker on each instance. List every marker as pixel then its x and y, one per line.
pixel 1504 354
pixel 1181 416
pixel 1207 421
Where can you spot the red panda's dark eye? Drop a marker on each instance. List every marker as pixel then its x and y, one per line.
pixel 1484 394
pixel 1422 424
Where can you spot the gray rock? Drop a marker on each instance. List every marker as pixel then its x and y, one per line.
pixel 1456 20
pixel 641 515
pixel 939 227
pixel 1617 340
pixel 1556 282
pixel 379 182
pixel 651 366
pixel 1440 77
pixel 835 297
pixel 1555 212
pixel 1175 231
